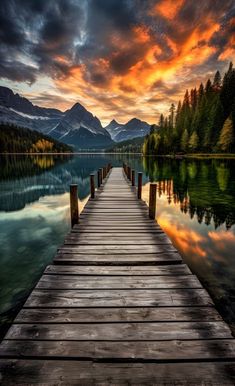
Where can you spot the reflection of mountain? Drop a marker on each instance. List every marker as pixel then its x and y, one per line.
pixel 204 188
pixel 24 179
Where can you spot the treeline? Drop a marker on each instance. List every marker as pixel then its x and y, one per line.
pixel 14 139
pixel 203 122
pixel 133 145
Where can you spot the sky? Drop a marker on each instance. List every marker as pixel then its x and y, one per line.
pixel 119 58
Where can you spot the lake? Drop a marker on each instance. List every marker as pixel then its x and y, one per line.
pixel 195 207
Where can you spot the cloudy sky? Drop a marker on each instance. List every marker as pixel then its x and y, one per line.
pixel 119 58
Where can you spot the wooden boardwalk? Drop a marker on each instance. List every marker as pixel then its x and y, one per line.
pixel 118 307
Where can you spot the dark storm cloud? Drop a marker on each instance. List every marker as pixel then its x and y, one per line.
pixel 54 36
pixel 40 31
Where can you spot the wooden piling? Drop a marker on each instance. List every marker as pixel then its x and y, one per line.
pixel 74 205
pixel 101 175
pixel 133 177
pixel 98 178
pixel 129 173
pixel 92 185
pixel 152 200
pixel 139 191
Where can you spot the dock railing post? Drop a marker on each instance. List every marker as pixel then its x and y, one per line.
pixel 152 200
pixel 98 178
pixel 74 205
pixel 139 191
pixel 133 177
pixel 92 185
pixel 104 172
pixel 129 173
pixel 101 175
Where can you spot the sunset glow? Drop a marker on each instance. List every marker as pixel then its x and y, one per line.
pixel 118 58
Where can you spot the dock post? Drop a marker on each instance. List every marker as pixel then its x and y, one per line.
pixel 129 173
pixel 101 175
pixel 133 177
pixel 152 200
pixel 98 178
pixel 74 205
pixel 104 172
pixel 92 185
pixel 124 166
pixel 139 192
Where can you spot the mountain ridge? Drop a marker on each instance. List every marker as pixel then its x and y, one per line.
pixel 76 126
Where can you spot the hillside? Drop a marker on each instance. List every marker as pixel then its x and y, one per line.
pixel 130 146
pixel 14 139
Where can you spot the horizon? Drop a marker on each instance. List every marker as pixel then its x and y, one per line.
pixel 119 59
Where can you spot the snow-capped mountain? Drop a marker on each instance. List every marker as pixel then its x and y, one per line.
pixel 80 128
pixel 132 129
pixel 20 111
pixel 77 126
pixel 114 128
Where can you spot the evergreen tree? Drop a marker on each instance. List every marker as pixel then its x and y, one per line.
pixel 161 121
pixel 172 115
pixel 226 139
pixel 184 140
pixel 193 142
pixel 217 81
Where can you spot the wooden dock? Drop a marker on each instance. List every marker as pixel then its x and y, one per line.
pixel 118 307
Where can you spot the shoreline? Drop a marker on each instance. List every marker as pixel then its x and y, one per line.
pixel 196 155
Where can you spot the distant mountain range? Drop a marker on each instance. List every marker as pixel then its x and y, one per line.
pixel 132 129
pixel 76 126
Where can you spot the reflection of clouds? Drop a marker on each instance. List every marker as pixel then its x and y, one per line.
pixel 200 244
pixel 28 241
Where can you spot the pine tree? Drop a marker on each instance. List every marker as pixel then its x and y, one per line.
pixel 193 141
pixel 172 115
pixel 217 82
pixel 184 140
pixel 226 139
pixel 161 121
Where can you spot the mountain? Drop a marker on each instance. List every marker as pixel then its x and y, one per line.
pixel 132 129
pixel 15 139
pixel 114 128
pixel 80 128
pixel 21 112
pixel 76 127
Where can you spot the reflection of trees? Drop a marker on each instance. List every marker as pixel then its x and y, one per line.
pixel 203 188
pixel 17 166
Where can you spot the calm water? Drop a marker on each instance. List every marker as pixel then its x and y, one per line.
pixel 195 207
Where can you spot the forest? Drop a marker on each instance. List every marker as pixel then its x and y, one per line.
pixel 204 122
pixel 14 139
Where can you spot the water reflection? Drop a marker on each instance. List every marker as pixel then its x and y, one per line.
pixel 205 189
pixel 196 208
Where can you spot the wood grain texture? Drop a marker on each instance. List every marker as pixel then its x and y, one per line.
pixel 115 314
pixel 84 373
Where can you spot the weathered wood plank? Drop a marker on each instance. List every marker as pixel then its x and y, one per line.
pixel 72 241
pixel 115 314
pixel 25 372
pixel 178 350
pixel 119 298
pixel 120 331
pixel 150 270
pixel 143 259
pixel 116 249
pixel 122 282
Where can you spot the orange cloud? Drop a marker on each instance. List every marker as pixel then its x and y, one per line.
pixel 168 8
pixel 120 83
